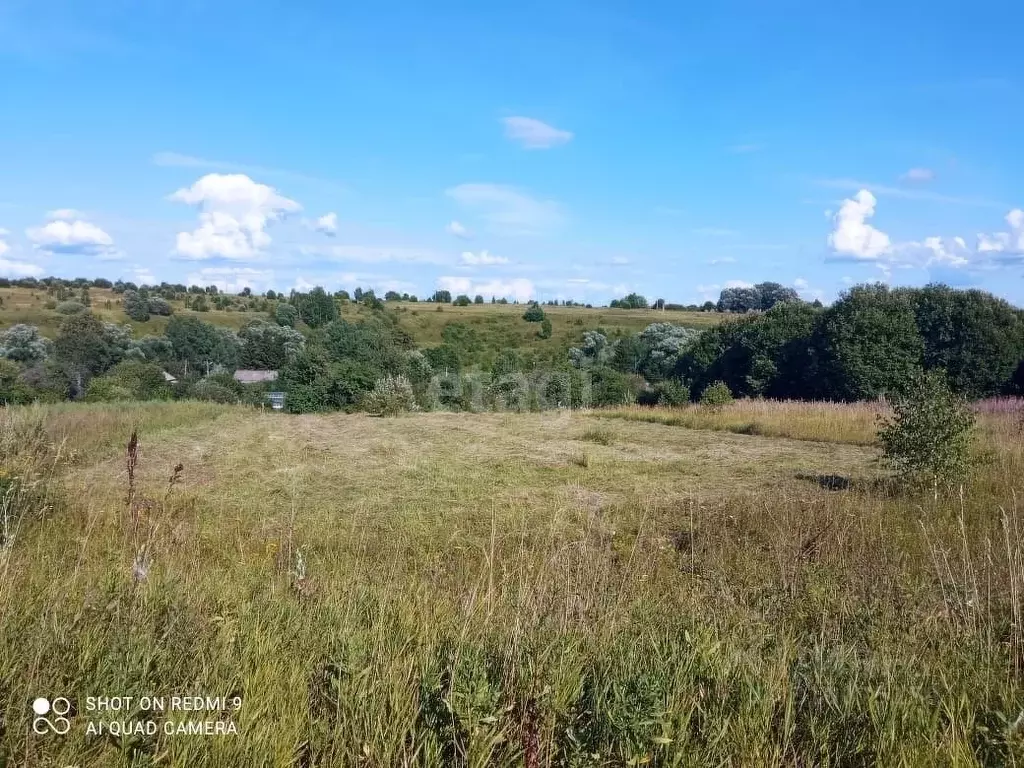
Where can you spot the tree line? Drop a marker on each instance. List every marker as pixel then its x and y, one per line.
pixel 870 342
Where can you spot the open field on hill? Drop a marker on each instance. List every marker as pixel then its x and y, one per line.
pixel 498 324
pixel 584 589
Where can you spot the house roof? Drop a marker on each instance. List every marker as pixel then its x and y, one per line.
pixel 245 376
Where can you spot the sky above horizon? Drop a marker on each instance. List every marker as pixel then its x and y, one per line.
pixel 556 150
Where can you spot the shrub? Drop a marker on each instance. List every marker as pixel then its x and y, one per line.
pixel 135 306
pixel 545 329
pixel 534 313
pixel 286 315
pixel 130 380
pixel 672 392
pixel 23 344
pixel 928 437
pixel 716 395
pixel 212 392
pixel 70 307
pixel 158 306
pixel 391 396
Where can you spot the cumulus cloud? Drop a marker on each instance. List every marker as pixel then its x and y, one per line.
pixel 738 284
pixel 327 224
pixel 67 232
pixel 519 289
pixel 1011 242
pixel 482 259
pixel 457 229
pixel 852 235
pixel 534 134
pixel 918 175
pixel 11 268
pixel 508 211
pixel 232 279
pixel 233 217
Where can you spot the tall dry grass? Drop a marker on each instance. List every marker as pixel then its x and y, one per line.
pixel 424 594
pixel 854 423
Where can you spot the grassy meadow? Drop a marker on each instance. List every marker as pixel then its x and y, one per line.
pixel 671 587
pixel 499 325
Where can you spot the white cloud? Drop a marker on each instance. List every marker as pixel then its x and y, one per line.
pixel 457 229
pixel 482 259
pixel 738 284
pixel 800 284
pixel 918 175
pixel 722 260
pixel 232 279
pixel 852 235
pixel 534 134
pixel 327 224
pixel 11 268
pixel 950 254
pixel 519 289
pixel 234 214
pixel 67 233
pixel 1005 242
pixel 66 214
pixel 508 211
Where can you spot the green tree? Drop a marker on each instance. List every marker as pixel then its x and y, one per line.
pixel 462 300
pixel 928 438
pixel 866 344
pixel 975 337
pixel 286 315
pixel 442 297
pixel 268 346
pixel 534 313
pixel 716 395
pixel 316 308
pixel 545 329
pixel 85 346
pixel 136 306
pixel 23 344
pixel 130 380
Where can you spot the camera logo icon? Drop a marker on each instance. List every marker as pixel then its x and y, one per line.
pixel 50 716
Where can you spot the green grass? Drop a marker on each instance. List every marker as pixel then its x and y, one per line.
pixel 498 589
pixel 498 325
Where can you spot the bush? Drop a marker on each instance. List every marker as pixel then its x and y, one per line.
pixel 716 395
pixel 286 315
pixel 545 329
pixel 158 306
pixel 213 392
pixel 928 438
pixel 136 306
pixel 534 313
pixel 70 307
pixel 130 380
pixel 391 396
pixel 672 392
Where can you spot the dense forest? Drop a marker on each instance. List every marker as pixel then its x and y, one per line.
pixel 769 344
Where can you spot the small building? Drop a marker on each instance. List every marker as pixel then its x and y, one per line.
pixel 248 376
pixel 276 400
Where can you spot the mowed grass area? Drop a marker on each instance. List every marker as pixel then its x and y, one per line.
pixel 500 589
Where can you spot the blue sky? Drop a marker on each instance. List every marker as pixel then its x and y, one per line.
pixel 538 149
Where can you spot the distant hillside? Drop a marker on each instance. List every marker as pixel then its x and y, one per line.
pixel 500 324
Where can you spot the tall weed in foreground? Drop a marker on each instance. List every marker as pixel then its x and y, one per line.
pixel 29 463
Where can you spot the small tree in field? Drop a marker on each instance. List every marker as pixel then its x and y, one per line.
pixel 716 395
pixel 928 438
pixel 391 396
